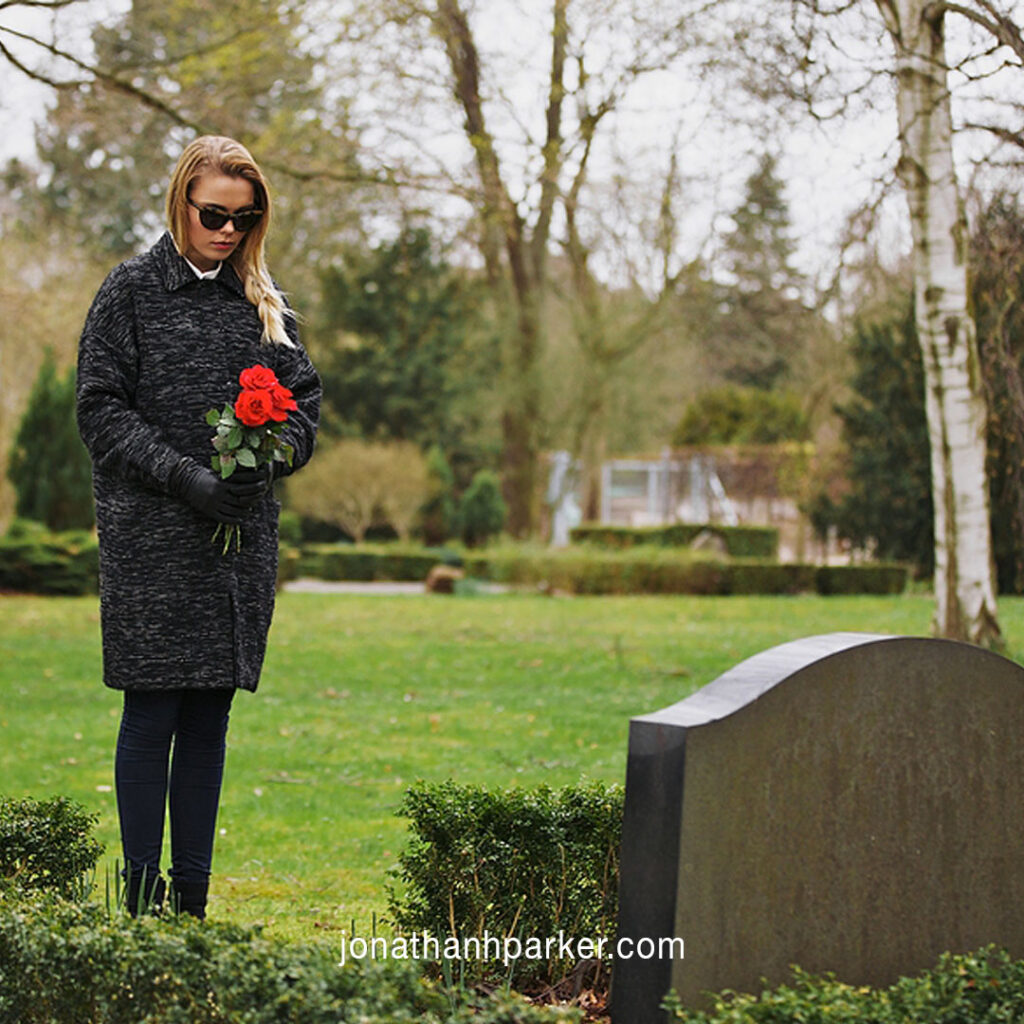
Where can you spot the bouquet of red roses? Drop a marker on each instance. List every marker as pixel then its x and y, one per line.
pixel 249 432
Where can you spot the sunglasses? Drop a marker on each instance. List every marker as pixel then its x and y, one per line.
pixel 214 220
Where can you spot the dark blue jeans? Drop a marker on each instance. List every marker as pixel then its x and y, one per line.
pixel 196 721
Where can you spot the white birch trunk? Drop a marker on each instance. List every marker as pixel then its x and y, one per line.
pixel 955 403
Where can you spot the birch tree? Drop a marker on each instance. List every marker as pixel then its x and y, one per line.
pixel 954 396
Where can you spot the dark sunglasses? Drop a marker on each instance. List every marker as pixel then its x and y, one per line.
pixel 214 220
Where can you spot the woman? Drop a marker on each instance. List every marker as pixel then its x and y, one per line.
pixel 185 622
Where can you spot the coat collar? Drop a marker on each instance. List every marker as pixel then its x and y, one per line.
pixel 176 273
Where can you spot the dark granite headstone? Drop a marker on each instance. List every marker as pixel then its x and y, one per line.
pixel 849 803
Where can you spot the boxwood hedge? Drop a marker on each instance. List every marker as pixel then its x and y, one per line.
pixel 739 541
pixel 70 963
pixel 986 985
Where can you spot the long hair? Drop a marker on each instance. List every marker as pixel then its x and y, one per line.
pixel 222 155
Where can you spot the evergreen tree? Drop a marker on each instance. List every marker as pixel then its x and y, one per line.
pixel 760 324
pixel 404 352
pixel 438 515
pixel 48 464
pixel 888 503
pixel 997 256
pixel 736 415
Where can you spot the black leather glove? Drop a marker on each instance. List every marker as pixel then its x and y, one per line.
pixel 260 476
pixel 227 501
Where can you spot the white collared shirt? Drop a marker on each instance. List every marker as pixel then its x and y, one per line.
pixel 203 275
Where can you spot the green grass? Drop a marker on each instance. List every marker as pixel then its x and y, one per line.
pixel 361 695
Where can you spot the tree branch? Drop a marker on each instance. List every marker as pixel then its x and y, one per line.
pixel 998 24
pixel 552 152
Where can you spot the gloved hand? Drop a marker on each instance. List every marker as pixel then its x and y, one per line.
pixel 262 476
pixel 227 501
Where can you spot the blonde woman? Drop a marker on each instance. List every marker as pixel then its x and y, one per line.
pixel 185 623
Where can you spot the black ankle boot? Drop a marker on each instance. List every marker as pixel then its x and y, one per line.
pixel 189 898
pixel 144 891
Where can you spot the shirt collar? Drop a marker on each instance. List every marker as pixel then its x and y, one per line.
pixel 177 272
pixel 204 275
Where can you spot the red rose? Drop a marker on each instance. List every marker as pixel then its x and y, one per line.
pixel 254 407
pixel 257 378
pixel 283 402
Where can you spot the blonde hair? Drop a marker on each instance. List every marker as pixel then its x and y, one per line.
pixel 226 156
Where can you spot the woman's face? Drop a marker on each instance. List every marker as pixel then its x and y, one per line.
pixel 224 194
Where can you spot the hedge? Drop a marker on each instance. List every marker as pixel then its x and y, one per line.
pixel 740 541
pixel 513 862
pixel 69 564
pixel 50 563
pixel 659 571
pixel 70 963
pixel 35 561
pixel 969 988
pixel 65 961
pixel 367 562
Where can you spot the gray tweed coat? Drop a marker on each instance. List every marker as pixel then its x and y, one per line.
pixel 160 348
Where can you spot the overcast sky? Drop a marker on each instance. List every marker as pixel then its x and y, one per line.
pixel 829 169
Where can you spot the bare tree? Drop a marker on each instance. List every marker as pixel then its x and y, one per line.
pixel 523 193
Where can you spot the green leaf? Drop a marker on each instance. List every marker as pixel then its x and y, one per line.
pixel 213 417
pixel 215 463
pixel 220 442
pixel 235 437
pixel 253 438
pixel 227 466
pixel 246 458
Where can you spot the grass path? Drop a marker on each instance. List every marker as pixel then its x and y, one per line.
pixel 361 695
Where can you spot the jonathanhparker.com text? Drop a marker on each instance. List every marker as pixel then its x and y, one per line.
pixel 506 948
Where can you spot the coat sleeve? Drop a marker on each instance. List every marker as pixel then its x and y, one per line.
pixel 296 371
pixel 119 439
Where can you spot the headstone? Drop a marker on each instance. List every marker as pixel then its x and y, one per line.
pixel 850 803
pixel 442 579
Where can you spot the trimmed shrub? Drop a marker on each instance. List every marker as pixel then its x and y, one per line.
pixel 884 578
pixel 40 562
pixel 64 963
pixel 969 988
pixel 521 863
pixel 366 562
pixel 46 846
pixel 740 541
pixel 482 510
pixel 355 485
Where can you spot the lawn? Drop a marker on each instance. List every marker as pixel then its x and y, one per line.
pixel 361 695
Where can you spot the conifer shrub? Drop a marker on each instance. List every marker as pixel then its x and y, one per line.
pixel 48 464
pixel 482 510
